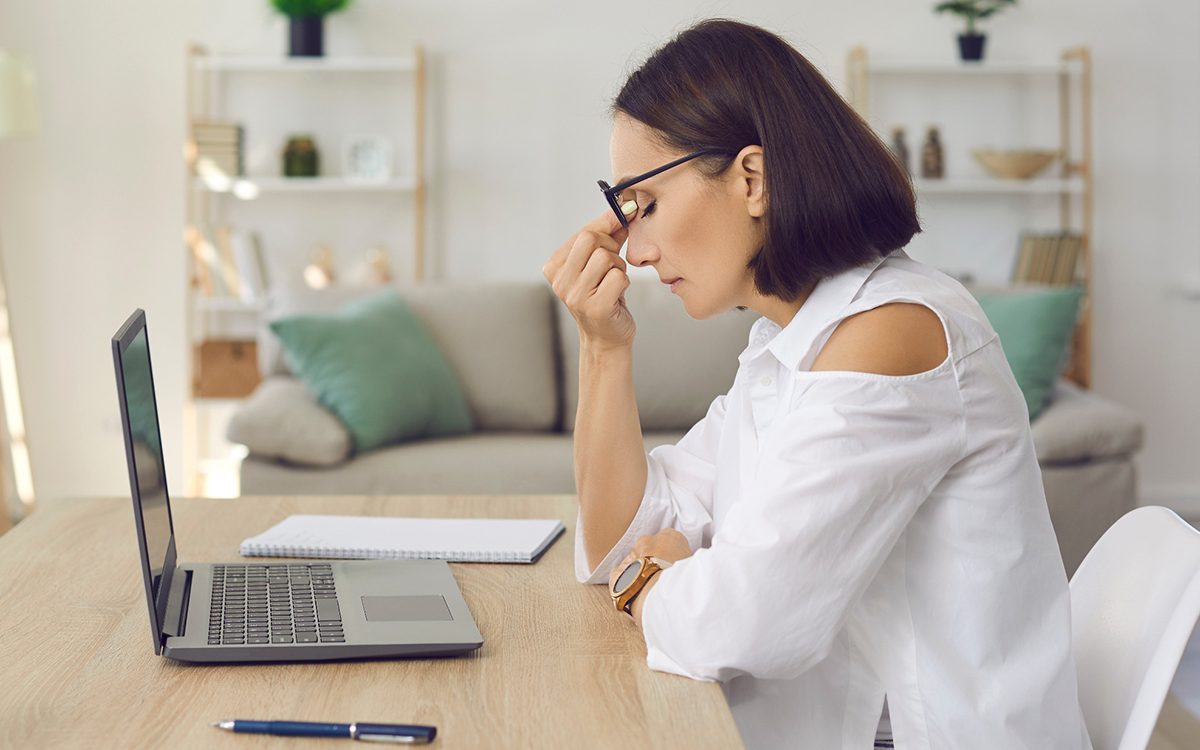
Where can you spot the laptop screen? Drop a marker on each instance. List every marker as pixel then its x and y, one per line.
pixel 147 475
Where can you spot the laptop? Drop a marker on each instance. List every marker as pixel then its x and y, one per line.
pixel 292 610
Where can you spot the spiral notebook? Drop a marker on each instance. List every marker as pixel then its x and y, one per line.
pixel 498 540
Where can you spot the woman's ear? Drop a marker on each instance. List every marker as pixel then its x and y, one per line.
pixel 751 184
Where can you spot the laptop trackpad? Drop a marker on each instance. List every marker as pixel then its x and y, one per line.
pixel 405 608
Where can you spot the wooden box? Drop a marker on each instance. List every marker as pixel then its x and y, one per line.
pixel 224 368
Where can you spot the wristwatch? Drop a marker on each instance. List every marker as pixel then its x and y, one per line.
pixel 633 579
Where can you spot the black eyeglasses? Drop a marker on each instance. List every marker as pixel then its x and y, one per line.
pixel 613 194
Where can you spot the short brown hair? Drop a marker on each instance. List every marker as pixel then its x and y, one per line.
pixel 836 198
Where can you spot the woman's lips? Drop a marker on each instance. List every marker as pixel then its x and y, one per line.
pixel 673 282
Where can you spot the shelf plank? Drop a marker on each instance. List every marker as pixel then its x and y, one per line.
pixel 321 184
pixel 308 65
pixel 914 67
pixel 227 304
pixel 1048 186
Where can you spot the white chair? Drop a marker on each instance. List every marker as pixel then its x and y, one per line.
pixel 1134 602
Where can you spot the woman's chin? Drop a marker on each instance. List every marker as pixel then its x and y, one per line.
pixel 697 309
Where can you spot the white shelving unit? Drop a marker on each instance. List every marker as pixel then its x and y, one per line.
pixel 1041 186
pixel 272 97
pixel 885 66
pixel 1071 73
pixel 319 185
pixel 312 64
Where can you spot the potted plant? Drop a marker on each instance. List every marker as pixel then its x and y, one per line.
pixel 970 44
pixel 306 38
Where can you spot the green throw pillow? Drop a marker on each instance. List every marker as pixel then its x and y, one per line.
pixel 374 366
pixel 1035 327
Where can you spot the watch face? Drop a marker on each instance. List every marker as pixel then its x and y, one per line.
pixel 627 577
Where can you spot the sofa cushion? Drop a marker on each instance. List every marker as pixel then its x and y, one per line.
pixel 282 420
pixel 497 336
pixel 1034 323
pixel 374 366
pixel 679 364
pixel 1081 425
pixel 499 339
pixel 492 463
pixel 285 301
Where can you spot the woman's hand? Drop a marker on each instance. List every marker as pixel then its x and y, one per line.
pixel 668 545
pixel 588 274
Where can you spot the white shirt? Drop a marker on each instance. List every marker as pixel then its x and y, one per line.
pixel 860 535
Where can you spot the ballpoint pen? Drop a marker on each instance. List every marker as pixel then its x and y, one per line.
pixel 415 734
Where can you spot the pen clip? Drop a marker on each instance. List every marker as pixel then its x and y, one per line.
pixel 396 738
pixel 399 739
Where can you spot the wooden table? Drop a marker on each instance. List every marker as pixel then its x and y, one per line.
pixel 558 668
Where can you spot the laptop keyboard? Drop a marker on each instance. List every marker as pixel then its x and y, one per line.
pixel 269 604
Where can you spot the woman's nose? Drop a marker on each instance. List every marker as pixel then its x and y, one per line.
pixel 637 251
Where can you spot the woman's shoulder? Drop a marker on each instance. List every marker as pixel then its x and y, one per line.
pixel 900 279
pixel 895 339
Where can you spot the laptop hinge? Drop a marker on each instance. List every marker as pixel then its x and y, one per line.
pixel 175 619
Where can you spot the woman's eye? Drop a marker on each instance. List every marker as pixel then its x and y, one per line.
pixel 649 209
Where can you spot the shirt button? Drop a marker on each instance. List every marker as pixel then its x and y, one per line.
pixel 766 380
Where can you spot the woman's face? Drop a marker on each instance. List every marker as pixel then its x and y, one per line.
pixel 696 232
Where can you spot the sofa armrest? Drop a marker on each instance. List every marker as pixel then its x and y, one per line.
pixel 282 420
pixel 1080 425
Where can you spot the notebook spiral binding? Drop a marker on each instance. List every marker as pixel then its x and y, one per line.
pixel 255 550
pixel 394 538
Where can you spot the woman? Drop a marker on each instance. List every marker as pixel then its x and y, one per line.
pixel 861 516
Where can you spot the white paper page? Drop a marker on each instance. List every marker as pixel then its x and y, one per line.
pixel 361 537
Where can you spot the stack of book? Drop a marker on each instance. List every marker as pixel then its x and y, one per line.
pixel 1048 258
pixel 233 265
pixel 217 146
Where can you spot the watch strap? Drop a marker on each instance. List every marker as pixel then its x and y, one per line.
pixel 650 566
pixel 628 608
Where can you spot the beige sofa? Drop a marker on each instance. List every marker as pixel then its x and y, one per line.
pixel 514 348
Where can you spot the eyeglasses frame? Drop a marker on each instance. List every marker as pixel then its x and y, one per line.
pixel 611 193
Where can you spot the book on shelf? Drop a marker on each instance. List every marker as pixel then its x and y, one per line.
pixel 1047 258
pixel 213 279
pixel 250 264
pixel 1049 253
pixel 1068 259
pixel 217 146
pixel 232 265
pixel 202 275
pixel 229 167
pixel 1024 257
pixel 227 265
pixel 216 130
pixel 210 130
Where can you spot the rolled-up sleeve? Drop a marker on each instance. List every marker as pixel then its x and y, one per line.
pixel 679 495
pixel 841 473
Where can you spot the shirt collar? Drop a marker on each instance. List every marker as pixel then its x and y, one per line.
pixel 830 296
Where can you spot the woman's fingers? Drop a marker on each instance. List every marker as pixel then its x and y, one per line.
pixel 642 546
pixel 668 544
pixel 588 274
pixel 567 261
pixel 601 261
pixel 611 287
pixel 586 242
pixel 606 224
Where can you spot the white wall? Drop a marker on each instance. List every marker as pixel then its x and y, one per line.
pixel 90 213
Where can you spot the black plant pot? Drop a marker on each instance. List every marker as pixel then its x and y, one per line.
pixel 970 46
pixel 307 36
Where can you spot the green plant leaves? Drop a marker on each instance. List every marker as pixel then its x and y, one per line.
pixel 308 8
pixel 973 9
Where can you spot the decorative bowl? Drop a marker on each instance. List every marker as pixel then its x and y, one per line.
pixel 1014 165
